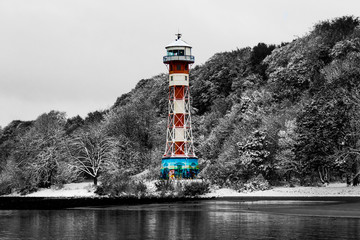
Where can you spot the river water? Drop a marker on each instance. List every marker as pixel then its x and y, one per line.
pixel 210 219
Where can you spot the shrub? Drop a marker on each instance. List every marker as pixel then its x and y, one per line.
pixel 140 188
pixel 258 183
pixel 5 185
pixel 114 184
pixel 164 186
pixel 8 179
pixel 28 182
pixel 218 174
pixel 120 184
pixel 196 188
pixel 182 188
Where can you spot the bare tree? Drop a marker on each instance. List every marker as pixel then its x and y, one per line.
pixel 91 151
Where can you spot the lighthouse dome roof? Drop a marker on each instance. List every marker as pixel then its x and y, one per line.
pixel 178 43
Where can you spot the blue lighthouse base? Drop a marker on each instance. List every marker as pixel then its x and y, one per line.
pixel 179 168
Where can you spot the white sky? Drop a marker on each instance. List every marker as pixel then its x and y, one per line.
pixel 78 56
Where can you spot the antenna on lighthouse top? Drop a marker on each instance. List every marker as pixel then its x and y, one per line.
pixel 178 35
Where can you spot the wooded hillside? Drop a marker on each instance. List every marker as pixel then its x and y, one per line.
pixel 274 114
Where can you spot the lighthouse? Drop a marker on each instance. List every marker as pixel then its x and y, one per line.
pixel 179 160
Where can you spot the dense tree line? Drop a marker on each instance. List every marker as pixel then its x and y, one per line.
pixel 275 114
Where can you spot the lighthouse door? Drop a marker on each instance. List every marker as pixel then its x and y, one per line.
pixel 179 171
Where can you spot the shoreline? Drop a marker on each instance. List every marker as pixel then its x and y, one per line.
pixel 82 195
pixel 57 203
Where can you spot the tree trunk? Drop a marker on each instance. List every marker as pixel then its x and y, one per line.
pixel 288 176
pixel 95 181
pixel 348 179
pixel 356 166
pixel 320 175
pixel 302 179
pixel 356 170
pixel 324 175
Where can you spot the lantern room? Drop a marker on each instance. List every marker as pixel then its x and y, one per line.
pixel 178 50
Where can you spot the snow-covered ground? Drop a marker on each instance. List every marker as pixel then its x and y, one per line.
pixel 334 189
pixel 87 189
pixel 84 189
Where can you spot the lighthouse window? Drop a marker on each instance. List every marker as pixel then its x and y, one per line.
pixel 186 67
pixel 186 78
pixel 178 67
pixel 171 78
pixel 172 52
pixel 171 67
pixel 181 52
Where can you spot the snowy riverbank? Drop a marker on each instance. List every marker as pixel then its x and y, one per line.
pixel 87 189
pixel 78 195
pixel 84 189
pixel 333 190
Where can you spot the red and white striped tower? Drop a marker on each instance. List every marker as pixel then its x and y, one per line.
pixel 179 160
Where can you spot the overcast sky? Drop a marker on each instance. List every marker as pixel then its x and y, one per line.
pixel 78 56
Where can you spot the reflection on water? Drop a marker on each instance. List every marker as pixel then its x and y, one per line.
pixel 196 220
